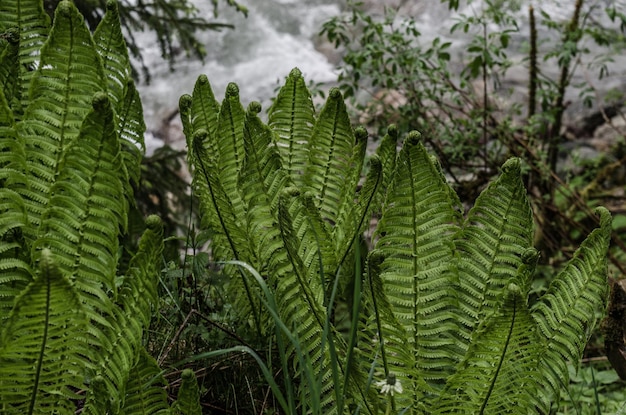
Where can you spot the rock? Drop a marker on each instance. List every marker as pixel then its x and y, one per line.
pixel 608 134
pixel 333 55
pixel 382 107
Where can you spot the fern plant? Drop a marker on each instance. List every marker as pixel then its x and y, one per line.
pixel 70 145
pixel 442 307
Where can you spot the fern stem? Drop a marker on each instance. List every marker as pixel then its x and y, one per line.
pixel 504 350
pixel 334 361
pixel 356 309
pixel 198 145
pixel 46 274
pixel 374 263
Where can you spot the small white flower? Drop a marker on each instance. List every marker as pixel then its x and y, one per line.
pixel 390 385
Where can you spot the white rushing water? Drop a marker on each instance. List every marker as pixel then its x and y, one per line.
pixel 278 35
pixel 258 54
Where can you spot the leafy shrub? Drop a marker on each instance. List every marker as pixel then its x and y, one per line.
pixel 456 105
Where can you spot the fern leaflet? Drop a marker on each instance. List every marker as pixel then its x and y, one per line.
pixel 567 313
pixel 291 117
pixel 496 233
pixel 33 25
pixel 416 228
pixel 69 74
pixel 330 153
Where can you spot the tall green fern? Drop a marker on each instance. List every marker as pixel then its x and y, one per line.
pixel 69 73
pixel 291 236
pixel 418 273
pixel 568 312
pixel 443 308
pixel 292 117
pixel 497 231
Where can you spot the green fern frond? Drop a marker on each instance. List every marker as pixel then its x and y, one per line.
pixel 33 25
pixel 230 144
pixel 260 182
pixel 498 230
pixel 204 146
pixel 387 154
pixel 359 214
pixel 292 118
pixel 87 208
pixel 111 46
pixel 12 157
pixel 205 110
pixel 331 149
pixel 10 69
pixel 569 311
pixel 15 272
pixel 184 109
pixel 121 340
pixel 229 239
pixel 498 374
pixel 114 350
pixel 139 289
pixel 291 229
pixel 219 157
pixel 69 74
pixel 40 346
pixel 377 329
pixel 316 248
pixel 357 220
pixel 341 230
pixel 198 115
pixel 145 393
pixel 187 402
pixel 214 200
pixel 301 308
pixel 131 129
pixel 418 274
pixel 83 220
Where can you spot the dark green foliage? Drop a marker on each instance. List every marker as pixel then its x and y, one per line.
pixel 439 305
pixel 499 373
pixel 498 229
pixel 443 308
